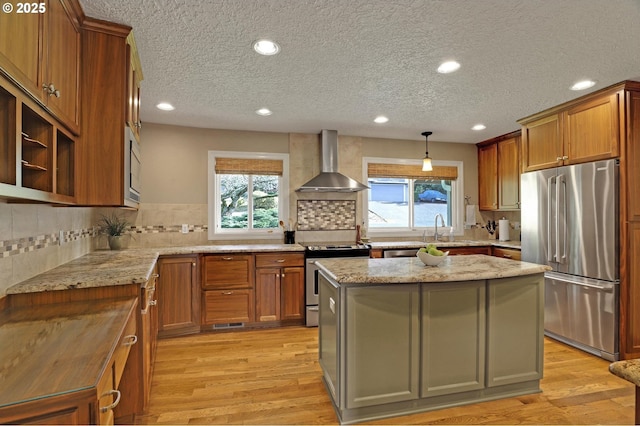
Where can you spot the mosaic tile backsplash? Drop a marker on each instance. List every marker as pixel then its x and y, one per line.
pixel 326 215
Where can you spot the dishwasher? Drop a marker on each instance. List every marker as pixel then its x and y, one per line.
pixel 400 253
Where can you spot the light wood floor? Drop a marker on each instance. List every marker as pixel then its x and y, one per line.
pixel 273 377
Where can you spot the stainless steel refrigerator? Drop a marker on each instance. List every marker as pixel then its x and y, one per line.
pixel 569 221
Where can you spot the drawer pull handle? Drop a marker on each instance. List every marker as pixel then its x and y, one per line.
pixel 153 302
pixel 508 256
pixel 155 276
pixel 130 340
pixel 115 403
pixel 227 292
pixel 279 260
pixel 227 258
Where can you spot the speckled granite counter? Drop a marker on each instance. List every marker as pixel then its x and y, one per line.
pixel 412 270
pixel 384 245
pixel 107 268
pixel 628 370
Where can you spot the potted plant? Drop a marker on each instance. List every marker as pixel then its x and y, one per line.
pixel 114 227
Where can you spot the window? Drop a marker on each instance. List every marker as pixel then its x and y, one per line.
pixel 403 199
pixel 247 194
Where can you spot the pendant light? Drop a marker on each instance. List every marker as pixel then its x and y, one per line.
pixel 426 163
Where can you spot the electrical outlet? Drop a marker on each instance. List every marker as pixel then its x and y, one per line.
pixel 185 228
pixel 60 237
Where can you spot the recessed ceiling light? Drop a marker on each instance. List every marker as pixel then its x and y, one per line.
pixel 447 67
pixel 381 119
pixel 165 106
pixel 264 111
pixel 266 47
pixel 479 127
pixel 584 84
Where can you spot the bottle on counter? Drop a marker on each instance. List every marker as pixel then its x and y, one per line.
pixel 452 235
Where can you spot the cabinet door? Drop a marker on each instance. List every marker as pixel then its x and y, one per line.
pixel 488 177
pixel 63 63
pixel 268 294
pixel 453 316
pixel 542 143
pixel 292 305
pixel 228 306
pixel 20 53
pixel 228 271
pixel 515 354
pixel 509 174
pixel 178 296
pixel 133 93
pixel 592 130
pixel 383 321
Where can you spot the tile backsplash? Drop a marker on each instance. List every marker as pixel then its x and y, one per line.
pixel 326 215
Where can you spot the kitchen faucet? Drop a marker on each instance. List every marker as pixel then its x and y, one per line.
pixel 435 235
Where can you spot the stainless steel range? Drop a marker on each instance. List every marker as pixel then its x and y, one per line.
pixel 325 251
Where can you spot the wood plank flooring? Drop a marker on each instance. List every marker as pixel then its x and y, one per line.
pixel 273 377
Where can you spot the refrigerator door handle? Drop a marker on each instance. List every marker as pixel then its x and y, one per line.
pixel 550 232
pixel 561 205
pixel 605 286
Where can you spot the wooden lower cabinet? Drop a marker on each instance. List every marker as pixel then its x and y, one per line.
pixel 49 387
pixel 178 296
pixel 280 289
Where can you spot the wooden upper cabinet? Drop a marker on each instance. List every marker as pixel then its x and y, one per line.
pixel 583 130
pixel 63 64
pixel 134 77
pixel 592 129
pixel 509 174
pixel 488 177
pixel 542 143
pixel 41 52
pixel 20 52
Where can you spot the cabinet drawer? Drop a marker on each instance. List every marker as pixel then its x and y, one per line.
pixel 227 306
pixel 279 260
pixel 506 253
pixel 467 250
pixel 228 271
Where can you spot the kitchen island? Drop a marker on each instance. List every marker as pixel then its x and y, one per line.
pixel 398 337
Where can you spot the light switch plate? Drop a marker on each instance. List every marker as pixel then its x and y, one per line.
pixel 185 228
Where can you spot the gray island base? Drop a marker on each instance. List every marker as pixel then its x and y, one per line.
pixel 397 337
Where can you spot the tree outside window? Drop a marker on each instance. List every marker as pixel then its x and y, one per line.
pixel 248 201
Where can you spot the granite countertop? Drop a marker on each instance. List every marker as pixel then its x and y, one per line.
pixel 228 248
pixel 458 243
pixel 105 268
pixel 412 270
pixel 627 369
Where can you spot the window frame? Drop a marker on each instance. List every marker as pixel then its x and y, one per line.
pixel 213 206
pixel 457 200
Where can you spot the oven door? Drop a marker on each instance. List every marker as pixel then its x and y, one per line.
pixel 311 288
pixel 311 293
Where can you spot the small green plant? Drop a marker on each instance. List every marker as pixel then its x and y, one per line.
pixel 113 225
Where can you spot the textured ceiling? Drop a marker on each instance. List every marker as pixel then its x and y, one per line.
pixel 343 62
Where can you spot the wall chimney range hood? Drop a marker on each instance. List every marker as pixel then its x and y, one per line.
pixel 329 180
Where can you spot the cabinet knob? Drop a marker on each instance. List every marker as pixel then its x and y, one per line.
pixel 51 90
pixel 565 157
pixel 227 258
pixel 280 260
pixel 227 292
pixel 193 264
pixel 153 302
